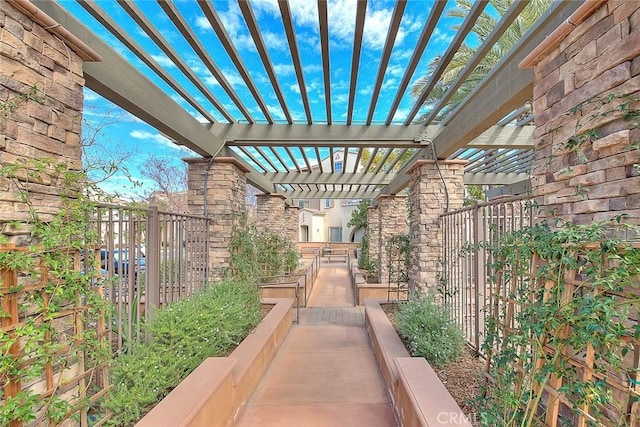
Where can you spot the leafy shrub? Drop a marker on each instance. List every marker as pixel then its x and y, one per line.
pixel 185 333
pixel 428 330
pixel 256 253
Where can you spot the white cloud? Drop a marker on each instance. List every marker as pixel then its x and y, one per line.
pixel 274 41
pixel 395 70
pixel 294 88
pixel 283 69
pixel 442 37
pixel 340 99
pixel 366 90
pixel 390 83
pixel 155 137
pixel 312 68
pixel 203 24
pixel 163 60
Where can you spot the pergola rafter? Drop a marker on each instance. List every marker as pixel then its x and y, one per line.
pixel 491 127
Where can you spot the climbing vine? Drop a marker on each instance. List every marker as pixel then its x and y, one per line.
pixel 51 303
pixel 562 331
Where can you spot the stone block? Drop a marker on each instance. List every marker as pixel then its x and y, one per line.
pixel 569 172
pixel 607 80
pixel 626 50
pixel 608 41
pixel 615 174
pixel 615 139
pixel 612 189
pixel 590 206
pixel 623 9
pixel 587 179
pixel 590 51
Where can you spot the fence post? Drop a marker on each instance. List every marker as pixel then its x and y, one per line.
pixel 152 276
pixel 480 275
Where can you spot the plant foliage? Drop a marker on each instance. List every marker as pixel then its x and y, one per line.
pixel 565 332
pixel 58 302
pixel 428 330
pixel 257 253
pixel 185 333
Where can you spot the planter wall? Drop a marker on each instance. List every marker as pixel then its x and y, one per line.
pixel 216 390
pixel 418 396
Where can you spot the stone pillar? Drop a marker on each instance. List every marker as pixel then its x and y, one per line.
pixel 270 213
pixel 41 95
pixel 217 189
pixel 292 215
pixel 373 236
pixel 392 221
pixel 583 78
pixel 428 196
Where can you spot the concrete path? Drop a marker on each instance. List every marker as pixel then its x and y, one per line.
pixel 325 373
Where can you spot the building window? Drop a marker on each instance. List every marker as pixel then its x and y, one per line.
pixel 335 234
pixel 337 166
pixel 327 203
pixel 303 204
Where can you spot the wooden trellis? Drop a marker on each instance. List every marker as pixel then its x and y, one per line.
pixel 67 373
pixel 556 406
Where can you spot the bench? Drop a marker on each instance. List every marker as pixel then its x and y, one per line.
pixel 335 254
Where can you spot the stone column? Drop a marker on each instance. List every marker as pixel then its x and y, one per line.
pixel 373 236
pixel 429 196
pixel 41 95
pixel 292 215
pixel 270 213
pixel 217 189
pixel 583 77
pixel 392 221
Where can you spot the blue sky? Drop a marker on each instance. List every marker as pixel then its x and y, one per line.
pixel 130 134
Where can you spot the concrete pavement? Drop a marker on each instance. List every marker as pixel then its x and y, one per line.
pixel 325 374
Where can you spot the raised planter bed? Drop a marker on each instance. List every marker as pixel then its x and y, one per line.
pixel 418 396
pixel 216 390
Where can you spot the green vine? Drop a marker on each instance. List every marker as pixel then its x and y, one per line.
pixel 587 119
pixel 14 102
pixel 259 254
pixel 554 328
pixel 50 290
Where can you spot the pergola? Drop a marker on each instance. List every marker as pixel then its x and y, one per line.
pixel 491 127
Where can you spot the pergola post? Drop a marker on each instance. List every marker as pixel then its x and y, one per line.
pixel 217 189
pixel 373 233
pixel 434 188
pixel 292 218
pixel 392 221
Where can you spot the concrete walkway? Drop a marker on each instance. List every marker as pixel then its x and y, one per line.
pixel 325 373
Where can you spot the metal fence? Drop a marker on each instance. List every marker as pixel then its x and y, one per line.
pixel 464 283
pixel 149 258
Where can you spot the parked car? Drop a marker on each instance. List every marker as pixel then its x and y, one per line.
pixel 120 259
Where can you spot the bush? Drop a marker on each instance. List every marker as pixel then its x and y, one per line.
pixel 185 333
pixel 428 330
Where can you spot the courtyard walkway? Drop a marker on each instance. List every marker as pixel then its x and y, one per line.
pixel 325 373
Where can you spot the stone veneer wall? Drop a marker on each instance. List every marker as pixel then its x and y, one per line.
pixel 292 224
pixel 270 213
pixel 226 185
pixel 41 95
pixel 373 235
pixel 427 200
pixel 597 179
pixel 392 221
